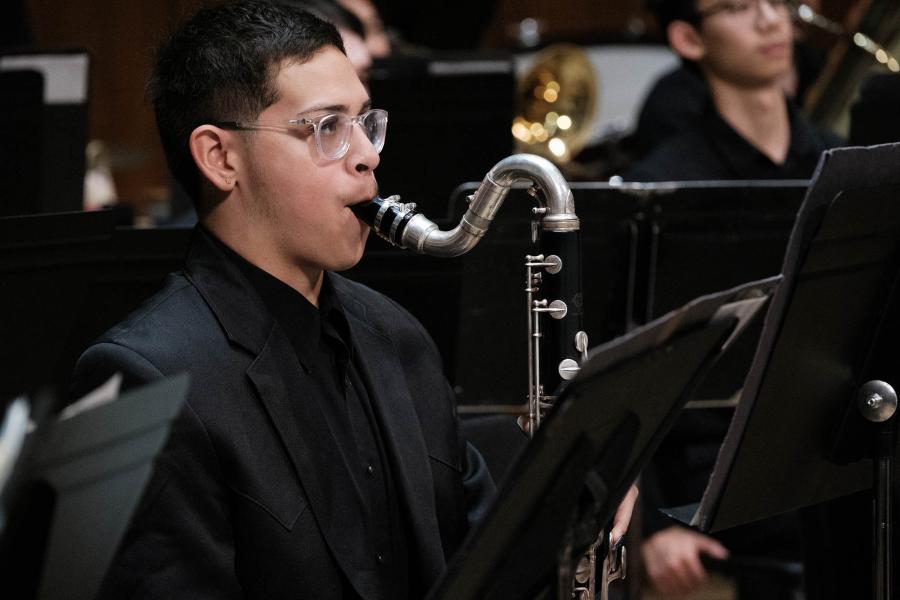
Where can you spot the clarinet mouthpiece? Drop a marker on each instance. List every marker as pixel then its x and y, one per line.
pixel 388 217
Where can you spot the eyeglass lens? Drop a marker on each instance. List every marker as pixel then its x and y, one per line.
pixel 334 132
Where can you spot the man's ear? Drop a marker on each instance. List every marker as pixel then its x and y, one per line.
pixel 686 41
pixel 213 152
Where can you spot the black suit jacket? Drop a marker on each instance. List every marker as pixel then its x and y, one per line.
pixel 250 497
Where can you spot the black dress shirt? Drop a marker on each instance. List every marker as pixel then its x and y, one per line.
pixel 322 341
pixel 712 150
pixel 674 103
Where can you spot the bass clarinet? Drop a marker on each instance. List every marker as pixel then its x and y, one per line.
pixel 557 343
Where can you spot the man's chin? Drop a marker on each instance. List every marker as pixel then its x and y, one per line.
pixel 350 261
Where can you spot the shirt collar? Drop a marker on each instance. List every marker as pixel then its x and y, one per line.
pixel 743 158
pixel 301 320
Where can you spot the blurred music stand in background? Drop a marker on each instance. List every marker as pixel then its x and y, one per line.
pixel 21 128
pixel 67 278
pixel 43 157
pixel 450 119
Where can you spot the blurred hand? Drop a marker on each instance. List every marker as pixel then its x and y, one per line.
pixel 672 559
pixel 623 514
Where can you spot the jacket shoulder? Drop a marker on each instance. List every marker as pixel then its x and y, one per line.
pixel 158 339
pixel 176 312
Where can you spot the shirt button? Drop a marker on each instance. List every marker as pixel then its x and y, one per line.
pixel 370 469
pixel 380 558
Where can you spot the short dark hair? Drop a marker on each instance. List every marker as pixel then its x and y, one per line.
pixel 674 10
pixel 221 65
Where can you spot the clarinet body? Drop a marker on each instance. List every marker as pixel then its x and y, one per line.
pixel 557 341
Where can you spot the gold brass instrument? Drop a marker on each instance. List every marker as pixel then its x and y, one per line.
pixel 557 342
pixel 556 104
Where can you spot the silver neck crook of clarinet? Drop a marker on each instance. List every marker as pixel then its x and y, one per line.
pixel 561 340
pixel 400 225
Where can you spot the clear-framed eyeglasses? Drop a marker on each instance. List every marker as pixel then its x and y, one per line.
pixel 332 131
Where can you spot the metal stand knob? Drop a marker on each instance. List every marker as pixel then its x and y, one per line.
pixel 877 401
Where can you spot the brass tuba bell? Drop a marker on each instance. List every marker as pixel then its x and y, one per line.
pixel 556 104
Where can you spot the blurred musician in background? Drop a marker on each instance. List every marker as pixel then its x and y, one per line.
pixel 739 52
pixel 742 50
pixel 678 98
pixel 674 103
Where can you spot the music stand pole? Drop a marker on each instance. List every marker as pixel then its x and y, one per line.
pixel 877 401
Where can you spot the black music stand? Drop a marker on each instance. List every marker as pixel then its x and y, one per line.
pixel 824 335
pixel 601 433
pixel 75 488
pixel 67 278
pixel 54 132
pixel 450 119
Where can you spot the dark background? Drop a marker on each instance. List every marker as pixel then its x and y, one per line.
pixel 121 37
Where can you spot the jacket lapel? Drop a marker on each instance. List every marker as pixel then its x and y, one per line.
pixel 393 405
pixel 292 400
pixel 288 395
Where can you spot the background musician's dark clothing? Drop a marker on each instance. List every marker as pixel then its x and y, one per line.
pixel 713 150
pixel 676 100
pixel 257 493
pixel 680 96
